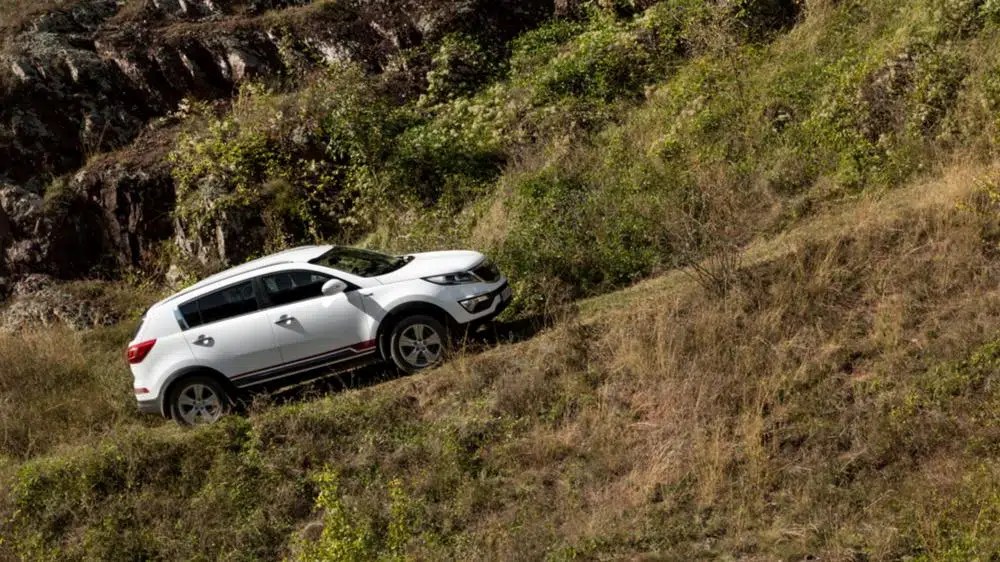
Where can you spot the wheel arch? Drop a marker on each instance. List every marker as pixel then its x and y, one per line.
pixel 180 375
pixel 407 309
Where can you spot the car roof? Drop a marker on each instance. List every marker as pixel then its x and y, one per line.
pixel 301 254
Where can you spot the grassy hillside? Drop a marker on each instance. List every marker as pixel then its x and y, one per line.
pixel 804 363
pixel 838 402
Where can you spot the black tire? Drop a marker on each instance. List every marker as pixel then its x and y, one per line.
pixel 198 400
pixel 417 343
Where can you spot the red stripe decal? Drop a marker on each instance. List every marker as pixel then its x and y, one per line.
pixel 357 348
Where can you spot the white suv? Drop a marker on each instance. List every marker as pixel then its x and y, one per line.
pixel 303 313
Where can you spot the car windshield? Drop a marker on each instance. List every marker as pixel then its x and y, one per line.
pixel 363 263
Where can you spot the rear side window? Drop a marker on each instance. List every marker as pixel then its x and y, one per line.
pixel 220 305
pixel 191 314
pixel 293 286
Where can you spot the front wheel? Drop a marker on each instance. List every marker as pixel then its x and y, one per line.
pixel 198 400
pixel 418 342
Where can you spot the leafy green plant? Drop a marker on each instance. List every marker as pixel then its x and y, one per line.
pixel 458 68
pixel 342 539
pixel 346 536
pixel 570 239
pixel 301 162
pixel 604 60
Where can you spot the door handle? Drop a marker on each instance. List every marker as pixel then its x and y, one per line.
pixel 204 340
pixel 285 320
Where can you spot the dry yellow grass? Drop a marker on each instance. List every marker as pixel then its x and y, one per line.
pixel 58 386
pixel 771 410
pixel 869 210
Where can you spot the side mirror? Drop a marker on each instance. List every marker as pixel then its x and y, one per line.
pixel 334 287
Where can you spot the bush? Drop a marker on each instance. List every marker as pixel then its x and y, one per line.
pixel 569 239
pixel 348 536
pixel 760 19
pixel 448 160
pixel 603 60
pixel 458 68
pixel 300 164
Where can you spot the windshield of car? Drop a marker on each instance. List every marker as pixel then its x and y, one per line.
pixel 363 263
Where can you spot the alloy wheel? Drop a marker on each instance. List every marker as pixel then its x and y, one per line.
pixel 421 345
pixel 199 404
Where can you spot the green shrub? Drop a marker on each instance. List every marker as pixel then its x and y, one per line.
pixel 448 159
pixel 760 19
pixel 458 68
pixel 569 238
pixel 989 10
pixel 604 60
pixel 347 536
pixel 302 163
pixel 936 83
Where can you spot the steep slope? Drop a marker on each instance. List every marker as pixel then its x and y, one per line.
pixel 837 402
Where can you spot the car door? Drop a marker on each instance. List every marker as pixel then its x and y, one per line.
pixel 227 331
pixel 313 329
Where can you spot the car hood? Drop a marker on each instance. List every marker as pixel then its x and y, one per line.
pixel 427 264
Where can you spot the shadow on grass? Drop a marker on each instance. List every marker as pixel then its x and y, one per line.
pixel 485 337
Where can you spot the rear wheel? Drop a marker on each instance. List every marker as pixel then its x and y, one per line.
pixel 198 400
pixel 418 342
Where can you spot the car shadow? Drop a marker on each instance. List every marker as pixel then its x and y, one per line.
pixel 323 385
pixel 506 332
pixel 486 336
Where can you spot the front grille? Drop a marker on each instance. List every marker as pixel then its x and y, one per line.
pixel 487 271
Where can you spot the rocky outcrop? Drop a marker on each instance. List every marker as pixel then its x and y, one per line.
pixel 80 83
pixel 133 193
pixel 87 78
pixel 22 212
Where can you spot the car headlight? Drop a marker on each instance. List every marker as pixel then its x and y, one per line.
pixel 459 278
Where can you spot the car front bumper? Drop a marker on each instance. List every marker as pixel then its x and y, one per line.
pixel 500 299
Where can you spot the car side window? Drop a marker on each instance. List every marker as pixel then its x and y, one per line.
pixel 191 314
pixel 220 305
pixel 292 286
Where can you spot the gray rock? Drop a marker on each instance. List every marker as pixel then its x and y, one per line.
pixel 20 222
pixel 6 235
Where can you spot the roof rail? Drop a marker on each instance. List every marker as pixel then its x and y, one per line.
pixel 223 276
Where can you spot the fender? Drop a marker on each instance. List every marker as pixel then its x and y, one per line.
pixel 407 308
pixel 190 370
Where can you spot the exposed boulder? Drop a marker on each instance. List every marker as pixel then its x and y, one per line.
pixel 134 192
pixel 63 103
pixel 883 94
pixel 21 210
